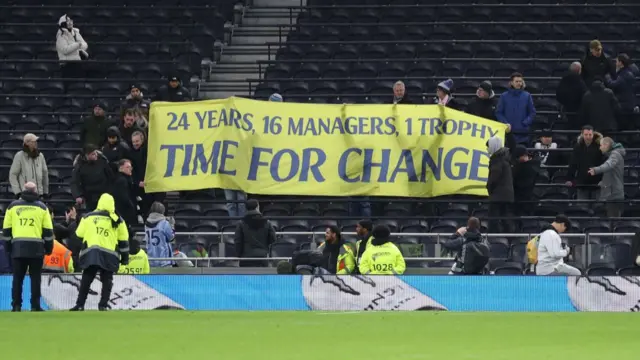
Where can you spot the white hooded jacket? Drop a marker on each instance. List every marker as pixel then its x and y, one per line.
pixel 69 44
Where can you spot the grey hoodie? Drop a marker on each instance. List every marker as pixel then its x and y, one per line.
pixel 612 184
pixel 494 144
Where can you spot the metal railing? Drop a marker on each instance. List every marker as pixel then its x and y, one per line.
pixel 222 259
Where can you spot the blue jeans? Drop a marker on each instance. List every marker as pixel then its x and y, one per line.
pixel 360 207
pixel 236 208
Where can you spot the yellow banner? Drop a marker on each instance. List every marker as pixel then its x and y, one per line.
pixel 275 148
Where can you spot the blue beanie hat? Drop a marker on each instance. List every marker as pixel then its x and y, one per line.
pixel 276 97
pixel 446 85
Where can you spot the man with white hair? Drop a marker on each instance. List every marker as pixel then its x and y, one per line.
pixel 28 232
pixel 570 92
pixel 400 94
pixel 29 165
pixel 612 184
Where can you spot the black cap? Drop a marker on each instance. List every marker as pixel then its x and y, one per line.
pixel 174 78
pixel 134 86
pixel 563 219
pixel 519 151
pixel 89 148
pixel 113 132
pixel 100 105
pixel 486 86
pixel 381 232
pixel 546 133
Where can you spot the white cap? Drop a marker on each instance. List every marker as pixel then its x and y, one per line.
pixel 29 137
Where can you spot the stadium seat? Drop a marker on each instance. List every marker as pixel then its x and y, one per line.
pixel 601 269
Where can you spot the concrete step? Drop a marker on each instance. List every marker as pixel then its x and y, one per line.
pixel 279 3
pixel 223 94
pixel 237 68
pixel 233 58
pixel 258 39
pixel 233 77
pixel 268 20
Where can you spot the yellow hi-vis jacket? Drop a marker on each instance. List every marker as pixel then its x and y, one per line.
pixel 346 259
pixel 138 264
pixel 384 259
pixel 28 228
pixel 104 235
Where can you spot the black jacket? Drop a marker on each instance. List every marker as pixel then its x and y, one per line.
pixel 524 179
pixel 405 100
pixel 254 234
pixel 90 179
pixel 138 159
pixel 596 67
pixel 584 158
pixel 330 253
pixel 118 151
pixel 599 108
pixel 124 197
pixel 453 103
pixel 456 244
pixel 570 91
pixel 66 232
pixel 623 87
pixel 94 130
pixel 484 108
pixel 178 94
pixel 126 132
pixel 500 182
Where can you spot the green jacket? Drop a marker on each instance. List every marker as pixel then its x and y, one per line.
pixel 25 168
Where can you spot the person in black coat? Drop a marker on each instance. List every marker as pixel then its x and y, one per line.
pixel 91 177
pixel 400 94
pixel 484 104
pixel 595 64
pixel 623 88
pixel 115 149
pixel 499 186
pixel 173 91
pixel 570 91
pixel 600 108
pixel 123 193
pixel 586 155
pixel 128 126
pixel 444 96
pixel 525 172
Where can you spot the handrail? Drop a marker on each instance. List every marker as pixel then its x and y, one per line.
pixel 436 235
pixel 26 79
pixel 446 5
pixel 445 23
pixel 111 7
pixel 404 78
pixel 392 60
pixel 267 259
pixel 109 25
pixel 96 43
pixel 92 61
pixel 439 41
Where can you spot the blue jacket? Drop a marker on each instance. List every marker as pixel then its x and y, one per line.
pixel 516 109
pixel 623 86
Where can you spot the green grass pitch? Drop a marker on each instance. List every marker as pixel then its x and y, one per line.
pixel 317 335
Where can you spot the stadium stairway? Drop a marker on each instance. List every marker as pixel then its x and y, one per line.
pixel 261 22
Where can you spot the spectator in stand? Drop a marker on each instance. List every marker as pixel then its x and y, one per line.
pixel 65 232
pixel 525 173
pixel 471 249
pixel 623 88
pixel 499 186
pixel 570 92
pixel 71 49
pixel 115 148
pixel 91 177
pixel 128 126
pixel 138 156
pixel 551 250
pixel 400 94
pixel 516 109
pixel 94 128
pixel 135 100
pixel 29 165
pixel 141 119
pixel 586 155
pixel 276 97
pixel 159 236
pixel 612 171
pixel 595 64
pixel 444 97
pixel 254 235
pixel 546 142
pixel 484 104
pixel 124 193
pixel 173 91
pixel 599 108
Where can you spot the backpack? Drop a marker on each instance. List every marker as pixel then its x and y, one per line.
pixel 532 250
pixel 476 256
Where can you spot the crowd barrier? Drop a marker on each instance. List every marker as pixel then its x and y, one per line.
pixel 345 293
